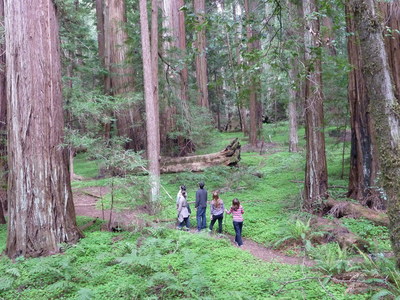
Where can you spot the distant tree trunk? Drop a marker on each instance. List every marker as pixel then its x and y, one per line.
pixel 180 34
pixel 120 80
pixel 201 58
pixel 253 44
pixel 3 119
pixel 151 120
pixel 293 33
pixel 154 60
pixel 316 177
pixel 384 107
pixel 41 209
pixel 363 155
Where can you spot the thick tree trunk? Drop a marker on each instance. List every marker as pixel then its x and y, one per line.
pixel 316 176
pixel 363 157
pixel 384 107
pixel 120 79
pixel 391 16
pixel 201 58
pixel 41 210
pixel 154 59
pixel 151 120
pixel 253 44
pixel 230 156
pixel 3 118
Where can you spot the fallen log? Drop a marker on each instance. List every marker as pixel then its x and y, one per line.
pixel 334 231
pixel 230 156
pixel 348 209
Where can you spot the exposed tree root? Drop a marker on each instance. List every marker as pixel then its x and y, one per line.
pixel 340 209
pixel 336 232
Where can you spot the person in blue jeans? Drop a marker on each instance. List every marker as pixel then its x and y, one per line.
pixel 201 206
pixel 237 212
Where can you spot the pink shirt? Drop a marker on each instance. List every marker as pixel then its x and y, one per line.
pixel 236 214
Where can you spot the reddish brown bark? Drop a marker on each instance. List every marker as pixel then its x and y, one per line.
pixel 384 107
pixel 252 45
pixel 363 157
pixel 119 80
pixel 316 176
pixel 41 210
pixel 201 58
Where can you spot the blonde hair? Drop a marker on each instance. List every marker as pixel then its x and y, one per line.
pixel 216 201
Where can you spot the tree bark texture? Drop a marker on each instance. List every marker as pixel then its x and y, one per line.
pixel 364 164
pixel 41 209
pixel 384 107
pixel 391 15
pixel 293 33
pixel 316 176
pixel 151 120
pixel 230 156
pixel 120 79
pixel 201 57
pixel 3 118
pixel 252 45
pixel 154 59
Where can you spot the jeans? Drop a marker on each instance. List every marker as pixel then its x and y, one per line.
pixel 186 222
pixel 214 219
pixel 238 229
pixel 201 218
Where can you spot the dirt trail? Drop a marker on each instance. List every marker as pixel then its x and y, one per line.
pixel 85 205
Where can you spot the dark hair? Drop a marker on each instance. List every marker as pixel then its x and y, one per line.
pixel 184 194
pixel 183 187
pixel 201 184
pixel 235 204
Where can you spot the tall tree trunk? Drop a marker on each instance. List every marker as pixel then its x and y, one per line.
pixel 293 33
pixel 363 156
pixel 384 107
pixel 41 210
pixel 391 15
pixel 154 59
pixel 316 177
pixel 253 44
pixel 3 118
pixel 151 120
pixel 201 58
pixel 120 79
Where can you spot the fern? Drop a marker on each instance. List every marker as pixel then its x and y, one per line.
pixel 6 282
pixel 14 272
pixel 85 294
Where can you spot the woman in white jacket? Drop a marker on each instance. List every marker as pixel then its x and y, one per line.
pixel 183 211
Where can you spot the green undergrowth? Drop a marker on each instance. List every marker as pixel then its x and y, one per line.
pixel 158 263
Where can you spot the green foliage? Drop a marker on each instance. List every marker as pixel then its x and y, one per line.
pixel 377 236
pixel 333 260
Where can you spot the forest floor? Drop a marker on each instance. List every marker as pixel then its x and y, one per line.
pixel 85 205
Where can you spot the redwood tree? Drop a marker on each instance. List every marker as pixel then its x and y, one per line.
pixel 201 58
pixel 41 210
pixel 119 82
pixel 253 44
pixel 316 176
pixel 363 156
pixel 384 106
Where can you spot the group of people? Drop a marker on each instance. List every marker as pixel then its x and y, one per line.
pixel 217 210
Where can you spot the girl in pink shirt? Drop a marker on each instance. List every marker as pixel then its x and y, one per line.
pixel 237 212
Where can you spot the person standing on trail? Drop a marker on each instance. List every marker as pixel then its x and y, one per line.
pixel 237 212
pixel 201 206
pixel 217 211
pixel 183 212
pixel 181 189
